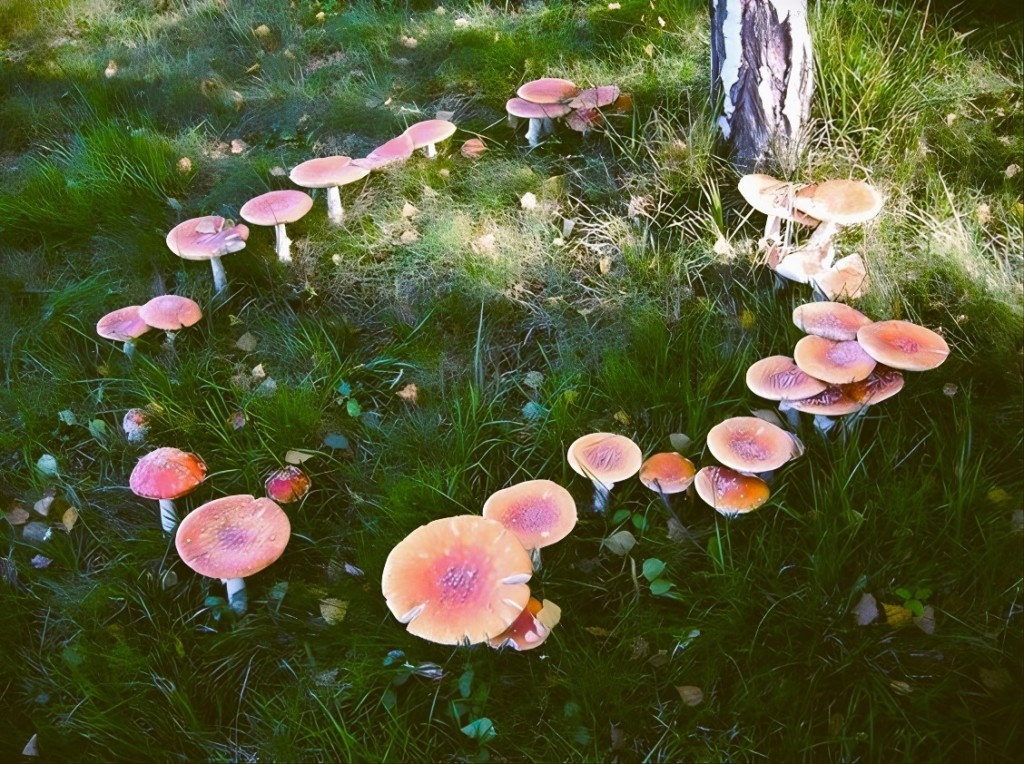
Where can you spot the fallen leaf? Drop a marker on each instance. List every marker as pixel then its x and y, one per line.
pixel 297 457
pixel 267 388
pixel 409 211
pixel 238 146
pixel 247 342
pixel 36 531
pixel 258 372
pixel 410 394
pixel 619 542
pixel 897 616
pixel 47 465
pixel 613 6
pixel 409 236
pixel 43 505
pixel 336 441
pixel 473 148
pixel 866 610
pixel 262 31
pixel 31 747
pixel 680 441
pixel 723 248
pixel 622 418
pixel 528 201
pixel 950 389
pixel 408 42
pixel 352 570
pixel 39 562
pixel 926 621
pixel 903 688
pixel 998 496
pixel 533 379
pixel 17 515
pixel 333 610
pixel 67 416
pixel 597 631
pixel 278 171
pixel 691 694
pixel 237 420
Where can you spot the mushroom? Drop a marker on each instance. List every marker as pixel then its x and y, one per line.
pixel 531 628
pixel 549 90
pixel 591 98
pixel 837 363
pixel 848 277
pixel 538 512
pixel 844 400
pixel 170 312
pixel 834 400
pixel 667 473
pixel 883 383
pixel 729 492
pixel 135 425
pixel 837 203
pixel 751 445
pixel 206 238
pixel 537 114
pixel 396 150
pixel 774 198
pixel 778 378
pixel 606 459
pixel 287 484
pixel 426 134
pixel 232 538
pixel 457 580
pixel 329 173
pixel 167 474
pixel 903 345
pixel 805 264
pixel 831 320
pixel 123 325
pixel 277 209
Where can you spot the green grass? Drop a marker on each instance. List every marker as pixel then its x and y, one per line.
pixel 635 320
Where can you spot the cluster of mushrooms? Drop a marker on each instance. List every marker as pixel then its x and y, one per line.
pixel 846 362
pixel 823 208
pixel 168 312
pixel 545 100
pixel 228 538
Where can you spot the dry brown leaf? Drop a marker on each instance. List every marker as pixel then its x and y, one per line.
pixel 473 148
pixel 258 372
pixel 17 515
pixel 410 394
pixel 409 211
pixel 691 694
pixel 69 518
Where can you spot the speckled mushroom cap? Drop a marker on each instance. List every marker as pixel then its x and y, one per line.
pixel 903 345
pixel 729 492
pixel 396 150
pixel 845 202
pixel 778 378
pixel 667 472
pixel 233 537
pixel 170 312
pixel 122 325
pixel 831 320
pixel 167 473
pixel 517 107
pixel 834 400
pixel 327 172
pixel 595 98
pixel 773 197
pixel 206 237
pixel 538 512
pixel 548 90
pixel 605 457
pixel 458 580
pixel 837 363
pixel 277 207
pixel 430 131
pixel 531 628
pixel 287 484
pixel 749 444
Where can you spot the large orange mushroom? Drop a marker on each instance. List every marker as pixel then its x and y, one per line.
pixel 606 459
pixel 837 363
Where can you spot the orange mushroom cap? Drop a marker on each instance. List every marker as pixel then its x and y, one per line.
pixel 538 512
pixel 834 362
pixel 773 197
pixel 206 237
pixel 287 484
pixel 831 320
pixel 122 325
pixel 277 207
pixel 729 492
pixel 883 383
pixel 167 473
pixel 667 472
pixel 327 172
pixel 233 537
pixel 605 457
pixel 778 378
pixel 531 628
pixel 458 580
pixel 548 90
pixel 749 444
pixel 903 345
pixel 170 312
pixel 848 277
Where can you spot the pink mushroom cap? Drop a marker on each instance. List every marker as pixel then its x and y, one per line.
pixel 277 207
pixel 430 131
pixel 167 473
pixel 548 90
pixel 122 325
pixel 327 172
pixel 517 107
pixel 170 312
pixel 206 237
pixel 396 150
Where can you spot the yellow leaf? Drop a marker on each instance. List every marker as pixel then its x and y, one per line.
pixel 333 610
pixel 897 616
pixel 622 418
pixel 69 518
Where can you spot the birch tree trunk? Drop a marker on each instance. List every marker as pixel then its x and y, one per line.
pixel 763 71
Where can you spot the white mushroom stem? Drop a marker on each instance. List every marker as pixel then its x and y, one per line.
pixel 335 212
pixel 168 515
pixel 821 235
pixel 283 244
pixel 533 134
pixel 129 349
pixel 601 492
pixel 430 150
pixel 535 558
pixel 792 415
pixel 547 126
pixel 772 228
pixel 237 598
pixel 220 278
pixel 823 423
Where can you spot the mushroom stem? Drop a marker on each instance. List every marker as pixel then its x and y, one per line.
pixel 282 244
pixel 601 492
pixel 335 212
pixel 792 416
pixel 237 598
pixel 533 134
pixel 220 278
pixel 129 349
pixel 821 235
pixel 168 515
pixel 431 150
pixel 823 423
pixel 772 227
pixel 547 126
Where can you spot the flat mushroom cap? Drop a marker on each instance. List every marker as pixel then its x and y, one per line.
pixel 595 98
pixel 170 312
pixel 903 345
pixel 773 197
pixel 667 472
pixel 458 580
pixel 430 131
pixel 396 150
pixel 205 238
pixel 277 207
pixel 327 172
pixel 730 492
pixel 538 512
pixel 846 202
pixel 287 484
pixel 605 457
pixel 167 473
pixel 531 628
pixel 778 378
pixel 837 363
pixel 548 90
pixel 233 537
pixel 517 107
pixel 831 320
pixel 122 324
pixel 749 444
pixel 882 384
pixel 834 400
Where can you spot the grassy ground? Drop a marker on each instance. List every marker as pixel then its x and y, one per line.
pixel 635 321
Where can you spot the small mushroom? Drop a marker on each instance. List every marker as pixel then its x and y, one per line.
pixel 751 445
pixel 167 474
pixel 287 484
pixel 606 459
pixel 425 135
pixel 774 198
pixel 277 209
pixel 667 473
pixel 123 325
pixel 831 320
pixel 778 378
pixel 538 512
pixel 232 538
pixel 171 312
pixel 729 492
pixel 837 363
pixel 135 425
pixel 330 173
pixel 537 114
pixel 531 628
pixel 903 345
pixel 837 203
pixel 206 238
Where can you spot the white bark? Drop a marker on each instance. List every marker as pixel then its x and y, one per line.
pixel 335 212
pixel 220 278
pixel 533 134
pixel 168 515
pixel 283 244
pixel 237 597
